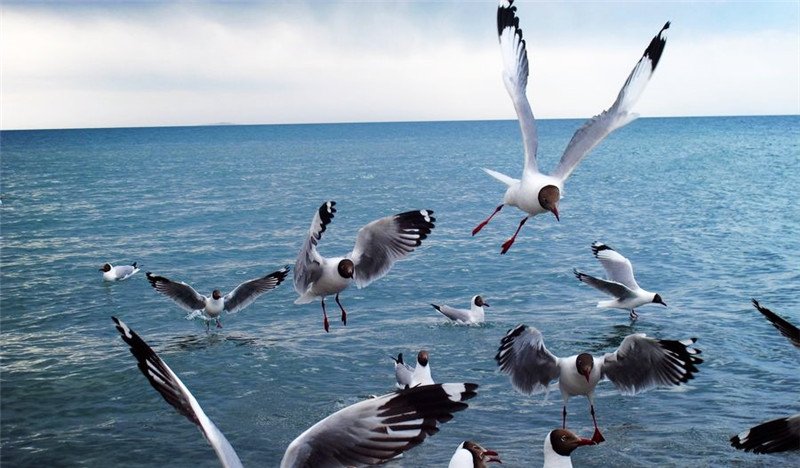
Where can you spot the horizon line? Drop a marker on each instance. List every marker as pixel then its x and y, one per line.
pixel 367 122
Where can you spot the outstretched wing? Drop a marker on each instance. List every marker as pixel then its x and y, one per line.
pixel 609 287
pixel 374 431
pixel 307 268
pixel 382 242
pixel 515 77
pixel 618 115
pixel 641 363
pixel 524 358
pixel 183 294
pixel 618 268
pixel 787 329
pixel 778 435
pixel 247 292
pixel 176 394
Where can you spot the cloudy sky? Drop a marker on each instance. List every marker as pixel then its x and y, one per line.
pixel 114 63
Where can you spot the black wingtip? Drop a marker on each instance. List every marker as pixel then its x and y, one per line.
pixel 507 18
pixel 656 47
pixel 437 307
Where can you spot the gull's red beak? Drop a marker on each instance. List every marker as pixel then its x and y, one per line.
pixel 583 441
pixel 555 212
pixel 490 456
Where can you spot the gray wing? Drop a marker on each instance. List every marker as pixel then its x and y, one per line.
pixel 452 313
pixel 778 435
pixel 176 394
pixel 307 268
pixel 403 373
pixel 183 294
pixel 618 268
pixel 515 77
pixel 785 328
pixel 376 430
pixel 524 358
pixel 641 363
pixel 382 242
pixel 123 271
pixel 618 115
pixel 609 287
pixel 247 292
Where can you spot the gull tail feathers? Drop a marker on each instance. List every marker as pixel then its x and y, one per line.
pixel 509 181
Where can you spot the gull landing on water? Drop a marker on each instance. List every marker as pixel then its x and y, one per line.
pixel 640 363
pixel 535 192
pixel 379 245
pixel 118 273
pixel 475 314
pixel 210 308
pixel 369 432
pixel 620 283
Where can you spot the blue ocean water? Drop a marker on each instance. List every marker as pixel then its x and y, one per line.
pixel 705 208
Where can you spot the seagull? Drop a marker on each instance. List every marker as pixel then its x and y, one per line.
pixel 379 245
pixel 469 454
pixel 535 192
pixel 785 328
pixel 118 273
pixel 559 445
pixel 411 377
pixel 210 308
pixel 640 363
pixel 777 435
pixel 620 283
pixel 473 315
pixel 369 432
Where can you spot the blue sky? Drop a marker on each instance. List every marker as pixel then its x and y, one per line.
pixel 109 64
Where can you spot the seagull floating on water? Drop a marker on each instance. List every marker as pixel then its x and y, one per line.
pixel 474 315
pixel 210 308
pixel 535 192
pixel 118 273
pixel 469 454
pixel 558 447
pixel 777 435
pixel 640 363
pixel 369 432
pixel 379 245
pixel 407 376
pixel 620 283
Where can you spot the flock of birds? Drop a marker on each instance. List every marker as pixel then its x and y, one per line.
pixel 381 428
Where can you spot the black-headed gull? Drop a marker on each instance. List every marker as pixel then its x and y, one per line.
pixel 475 313
pixel 620 282
pixel 210 308
pixel 640 363
pixel 379 245
pixel 470 454
pixel 535 192
pixel 369 432
pixel 558 447
pixel 777 435
pixel 118 273
pixel 785 328
pixel 407 376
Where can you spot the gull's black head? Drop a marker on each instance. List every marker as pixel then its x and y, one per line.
pixel 478 301
pixel 422 358
pixel 106 267
pixel 565 441
pixel 549 196
pixel 346 268
pixel 216 294
pixel 657 300
pixel 585 364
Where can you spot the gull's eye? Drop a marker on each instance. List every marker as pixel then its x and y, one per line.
pixel 563 438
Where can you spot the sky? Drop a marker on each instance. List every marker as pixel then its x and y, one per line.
pixel 70 64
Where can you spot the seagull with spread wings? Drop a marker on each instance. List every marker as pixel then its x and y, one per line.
pixel 536 192
pixel 640 363
pixel 379 245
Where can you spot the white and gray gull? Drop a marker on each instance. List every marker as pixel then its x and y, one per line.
pixel 378 246
pixel 369 432
pixel 408 376
pixel 474 315
pixel 640 363
pixel 118 273
pixel 535 192
pixel 619 283
pixel 210 308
